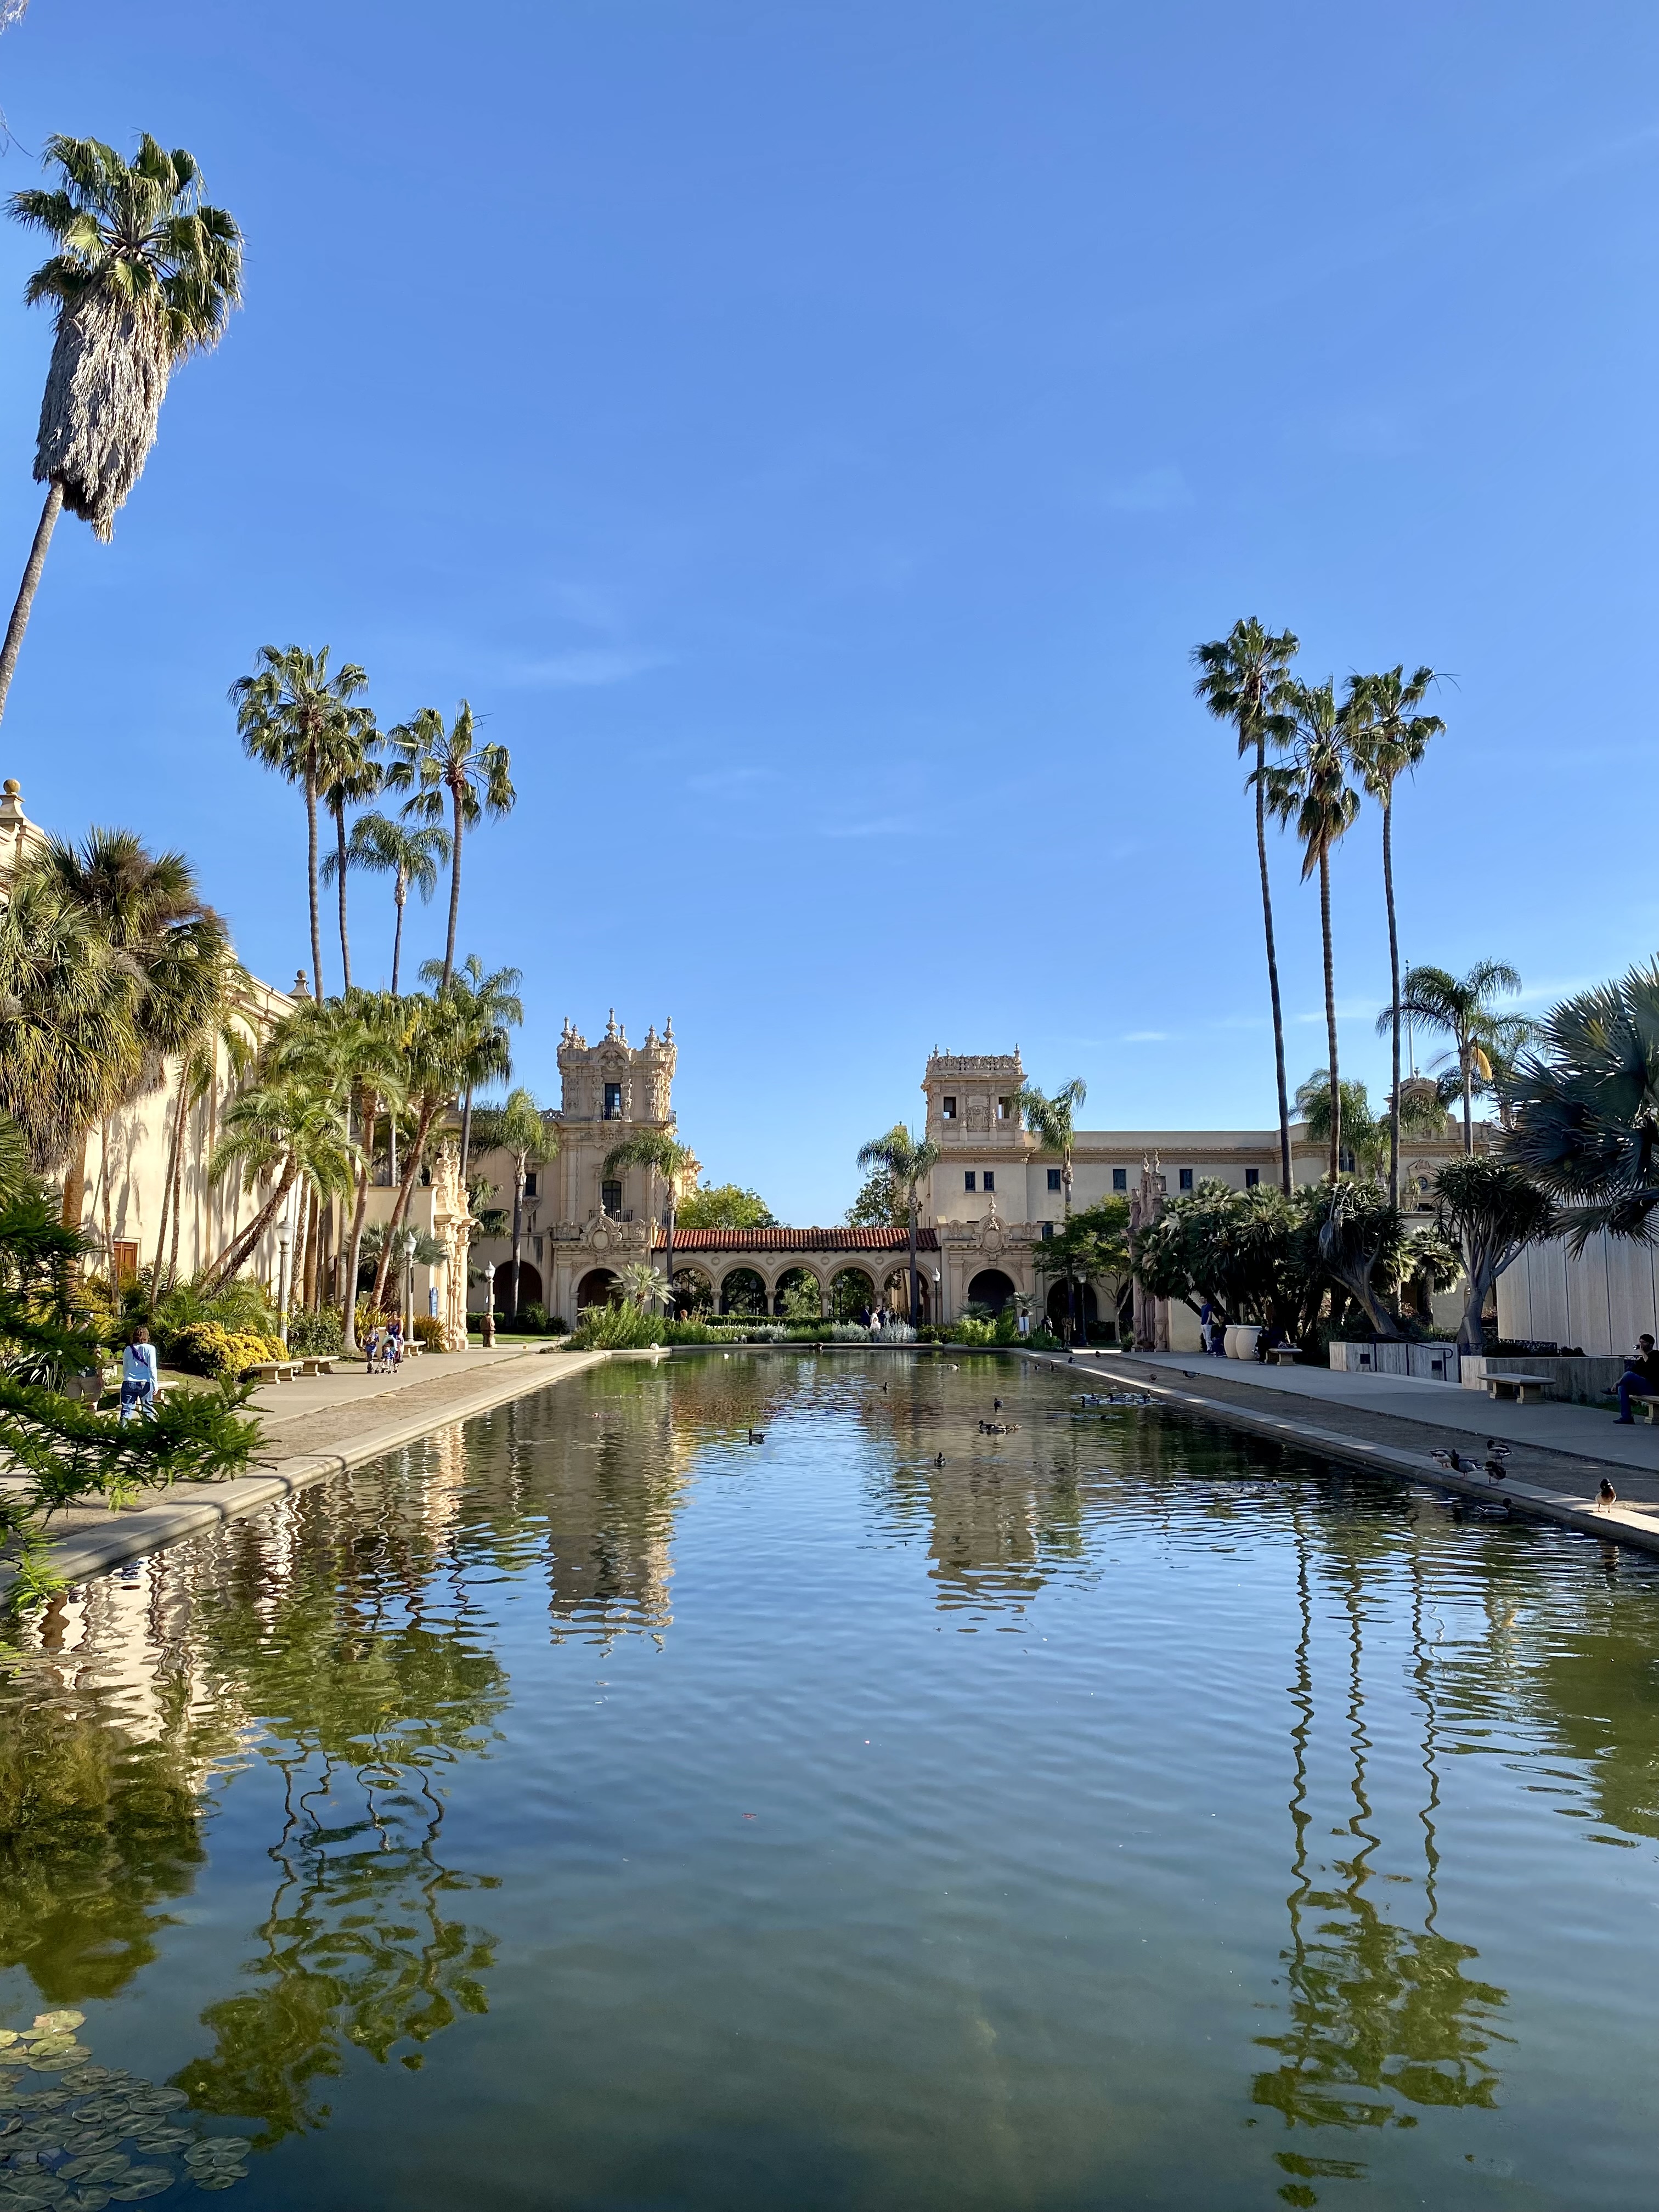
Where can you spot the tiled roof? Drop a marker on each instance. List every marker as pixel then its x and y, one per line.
pixel 798 1240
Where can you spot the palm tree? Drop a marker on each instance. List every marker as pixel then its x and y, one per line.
pixel 294 717
pixel 1585 1107
pixel 1492 1211
pixel 281 1130
pixel 410 857
pixel 225 1025
pixel 1362 1137
pixel 66 1016
pixel 172 947
pixel 518 1129
pixel 1245 680
pixel 449 766
pixel 1052 1122
pixel 1386 736
pixel 1460 1008
pixel 659 1154
pixel 354 777
pixel 1310 793
pixel 448 1049
pixel 907 1161
pixel 362 1035
pixel 144 275
pixel 492 1006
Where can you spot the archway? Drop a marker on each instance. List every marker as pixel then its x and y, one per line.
pixel 598 1287
pixel 896 1293
pixel 530 1283
pixel 798 1296
pixel 694 1292
pixel 852 1294
pixel 743 1292
pixel 1060 1308
pixel 990 1287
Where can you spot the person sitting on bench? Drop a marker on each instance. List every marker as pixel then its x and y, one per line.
pixel 1640 1378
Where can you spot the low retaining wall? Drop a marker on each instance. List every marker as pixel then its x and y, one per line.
pixel 1426 1363
pixel 1579 1379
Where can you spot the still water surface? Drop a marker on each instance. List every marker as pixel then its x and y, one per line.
pixel 589 1809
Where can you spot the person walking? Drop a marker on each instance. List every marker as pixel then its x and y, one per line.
pixel 1640 1378
pixel 394 1343
pixel 140 1373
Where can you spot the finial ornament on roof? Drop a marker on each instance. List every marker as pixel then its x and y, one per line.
pixel 610 1026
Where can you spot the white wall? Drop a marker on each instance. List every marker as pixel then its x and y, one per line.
pixel 1601 1302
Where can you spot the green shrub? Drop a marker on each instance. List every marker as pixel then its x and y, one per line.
pixel 620 1327
pixel 429 1332
pixel 207 1348
pixel 315 1335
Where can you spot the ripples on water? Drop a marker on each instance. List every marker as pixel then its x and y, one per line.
pixel 588 1809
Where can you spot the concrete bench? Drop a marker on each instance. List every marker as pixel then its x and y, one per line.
pixel 317 1365
pixel 277 1370
pixel 1523 1390
pixel 1647 1407
pixel 1284 1355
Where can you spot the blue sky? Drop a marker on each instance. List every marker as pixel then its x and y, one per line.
pixel 813 436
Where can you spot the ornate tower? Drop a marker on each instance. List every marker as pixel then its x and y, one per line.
pixel 609 1092
pixel 971 1101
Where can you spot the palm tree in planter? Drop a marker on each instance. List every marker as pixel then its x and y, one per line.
pixel 659 1154
pixel 907 1162
pixel 518 1130
pixel 1311 793
pixel 145 273
pixel 1052 1122
pixel 1244 679
pixel 294 717
pixel 1386 737
pixel 447 768
pixel 412 858
pixel 1462 1009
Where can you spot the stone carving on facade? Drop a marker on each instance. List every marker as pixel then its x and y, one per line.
pixel 452 1225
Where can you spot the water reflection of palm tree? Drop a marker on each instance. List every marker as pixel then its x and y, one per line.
pixel 1382 2017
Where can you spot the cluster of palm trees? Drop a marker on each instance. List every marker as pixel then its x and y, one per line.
pixel 311 726
pixel 1311 755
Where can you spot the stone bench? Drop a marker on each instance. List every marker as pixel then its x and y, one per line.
pixel 1647 1407
pixel 1523 1389
pixel 277 1370
pixel 317 1365
pixel 1284 1355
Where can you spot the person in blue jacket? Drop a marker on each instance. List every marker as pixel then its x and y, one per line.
pixel 139 1375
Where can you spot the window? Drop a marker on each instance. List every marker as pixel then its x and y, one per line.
pixel 1004 1109
pixel 530 1183
pixel 990 1179
pixel 968 1179
pixel 1252 1177
pixel 947 1106
pixel 1186 1178
pixel 613 1101
pixel 610 1197
pixel 1120 1178
pixel 1047 1230
pixel 1053 1178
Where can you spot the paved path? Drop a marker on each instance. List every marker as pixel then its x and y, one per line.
pixel 1393 1424
pixel 313 1429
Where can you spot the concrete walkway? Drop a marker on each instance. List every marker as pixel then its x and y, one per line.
pixel 1557 1456
pixel 313 1429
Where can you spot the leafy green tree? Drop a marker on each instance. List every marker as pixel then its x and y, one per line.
pixel 1092 1247
pixel 724 1206
pixel 293 717
pixel 1386 737
pixel 1310 793
pixel 410 857
pixel 446 766
pixel 1463 1010
pixel 520 1129
pixel 659 1154
pixel 145 273
pixel 1244 679
pixel 1363 1245
pixel 880 1203
pixel 907 1161
pixel 1051 1121
pixel 1492 1211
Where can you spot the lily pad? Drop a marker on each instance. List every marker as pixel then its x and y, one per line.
pixel 221 2177
pixel 51 2021
pixel 147 2181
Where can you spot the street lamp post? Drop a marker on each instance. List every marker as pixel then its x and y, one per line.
pixel 490 1303
pixel 939 1306
pixel 410 1241
pixel 284 1239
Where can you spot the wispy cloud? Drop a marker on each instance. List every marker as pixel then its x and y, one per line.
pixel 1155 491
pixel 1146 1037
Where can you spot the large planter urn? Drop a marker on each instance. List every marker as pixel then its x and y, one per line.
pixel 1241 1338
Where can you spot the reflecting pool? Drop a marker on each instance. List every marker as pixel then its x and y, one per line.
pixel 591 1808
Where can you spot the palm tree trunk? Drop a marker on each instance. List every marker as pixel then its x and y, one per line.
pixel 245 1240
pixel 913 1302
pixel 1468 1057
pixel 314 1228
pixel 668 1245
pixel 169 1182
pixel 355 1247
pixel 423 1128
pixel 1273 964
pixel 74 1183
pixel 1066 1208
pixel 26 590
pixel 1330 1011
pixel 466 1134
pixel 1394 974
pixel 398 935
pixel 517 1225
pixel 340 852
pixel 316 910
pixel 178 1191
pixel 455 894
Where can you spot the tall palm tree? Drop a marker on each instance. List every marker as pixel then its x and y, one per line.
pixel 1244 679
pixel 1462 1009
pixel 278 1131
pixel 907 1161
pixel 1052 1122
pixel 149 910
pixel 354 777
pixel 1386 737
pixel 365 1042
pixel 225 1026
pixel 144 274
pixel 1310 793
pixel 448 1049
pixel 448 767
pixel 66 1016
pixel 294 717
pixel 494 1007
pixel 410 857
pixel 659 1154
pixel 1584 1101
pixel 518 1129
